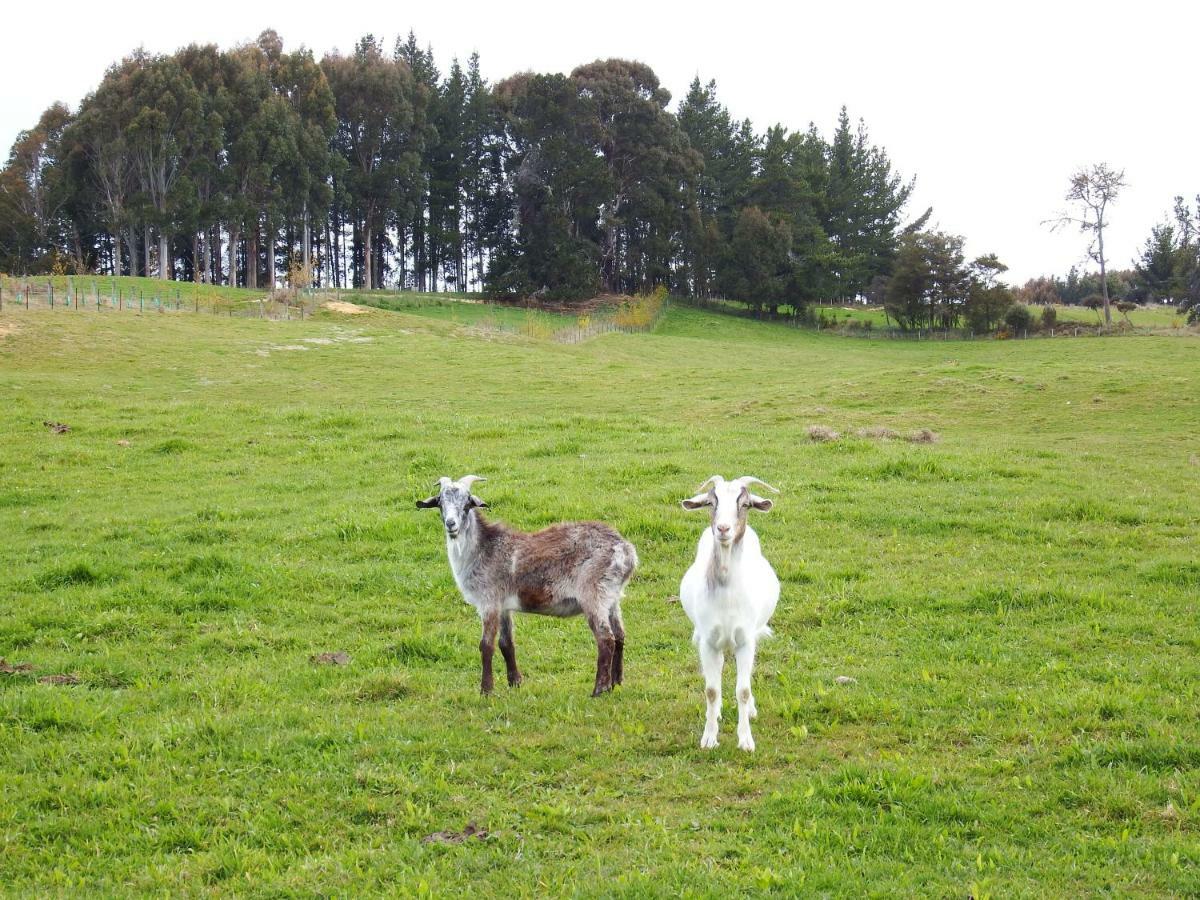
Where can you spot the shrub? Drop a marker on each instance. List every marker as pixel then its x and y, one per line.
pixel 1018 317
pixel 1049 317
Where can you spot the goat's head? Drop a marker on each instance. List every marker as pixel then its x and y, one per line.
pixel 456 501
pixel 729 503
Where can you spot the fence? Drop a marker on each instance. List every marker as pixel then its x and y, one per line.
pixel 98 295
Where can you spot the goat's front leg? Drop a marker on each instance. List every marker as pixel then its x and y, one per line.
pixel 605 647
pixel 744 656
pixel 712 663
pixel 491 624
pixel 509 649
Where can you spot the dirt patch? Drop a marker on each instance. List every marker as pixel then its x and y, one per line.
pixel 342 306
pixel 122 443
pixel 69 678
pixel 338 658
pixel 7 668
pixel 57 427
pixel 7 328
pixel 457 837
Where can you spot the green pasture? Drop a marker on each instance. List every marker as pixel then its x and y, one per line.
pixel 1015 603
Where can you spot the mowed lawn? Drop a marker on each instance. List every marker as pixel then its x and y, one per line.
pixel 1017 604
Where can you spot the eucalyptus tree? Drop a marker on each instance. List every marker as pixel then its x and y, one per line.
pixel 166 112
pixel 380 134
pixel 35 188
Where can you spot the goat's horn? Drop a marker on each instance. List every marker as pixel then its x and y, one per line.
pixel 467 480
pixel 714 480
pixel 441 482
pixel 747 480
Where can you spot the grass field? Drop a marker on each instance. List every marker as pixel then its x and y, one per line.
pixel 1017 604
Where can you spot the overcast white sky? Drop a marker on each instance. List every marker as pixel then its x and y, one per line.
pixel 990 106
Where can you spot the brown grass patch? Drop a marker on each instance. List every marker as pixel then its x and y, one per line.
pixel 878 432
pixel 7 668
pixel 924 436
pixel 822 434
pixel 69 678
pixel 338 658
pixel 7 328
pixel 342 306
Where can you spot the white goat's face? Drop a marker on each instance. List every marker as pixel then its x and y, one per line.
pixel 455 500
pixel 729 504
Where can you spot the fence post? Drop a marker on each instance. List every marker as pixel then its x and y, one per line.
pixel 50 293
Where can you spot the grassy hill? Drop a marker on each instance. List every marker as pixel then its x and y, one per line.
pixel 1016 602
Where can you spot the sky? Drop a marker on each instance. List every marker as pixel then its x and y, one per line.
pixel 990 106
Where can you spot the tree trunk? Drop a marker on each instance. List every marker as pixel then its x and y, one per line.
pixel 367 257
pixel 131 241
pixel 252 257
pixel 269 237
pixel 1103 274
pixel 233 243
pixel 307 253
pixel 164 258
pixel 146 244
pixel 198 266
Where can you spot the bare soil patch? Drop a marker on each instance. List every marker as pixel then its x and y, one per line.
pixel 337 658
pixel 69 678
pixel 7 328
pixel 57 427
pixel 7 668
pixel 457 837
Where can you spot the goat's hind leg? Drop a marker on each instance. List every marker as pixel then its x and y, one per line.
pixel 509 648
pixel 712 663
pixel 605 648
pixel 618 630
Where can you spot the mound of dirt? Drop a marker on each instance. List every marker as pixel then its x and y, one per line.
pixel 342 306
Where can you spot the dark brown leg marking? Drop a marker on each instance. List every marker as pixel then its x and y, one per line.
pixel 509 649
pixel 605 647
pixel 618 659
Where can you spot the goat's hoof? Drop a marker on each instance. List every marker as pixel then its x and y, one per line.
pixel 601 690
pixel 708 741
pixel 746 743
pixel 515 682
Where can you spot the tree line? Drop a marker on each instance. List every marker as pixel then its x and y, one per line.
pixel 254 165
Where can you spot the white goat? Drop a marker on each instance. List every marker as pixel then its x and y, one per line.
pixel 729 593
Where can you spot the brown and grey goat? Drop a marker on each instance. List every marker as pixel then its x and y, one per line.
pixel 568 569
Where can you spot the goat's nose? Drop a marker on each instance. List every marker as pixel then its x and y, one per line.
pixel 724 529
pixel 451 523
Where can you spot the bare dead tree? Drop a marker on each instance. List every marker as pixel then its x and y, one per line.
pixel 1092 189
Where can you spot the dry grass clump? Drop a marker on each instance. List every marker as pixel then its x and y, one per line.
pixel 878 432
pixel 923 436
pixel 822 434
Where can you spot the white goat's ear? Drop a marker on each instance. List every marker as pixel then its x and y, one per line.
pixel 435 500
pixel 475 501
pixel 697 502
pixel 762 504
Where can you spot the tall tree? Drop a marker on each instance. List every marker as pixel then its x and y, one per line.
pixel 1093 189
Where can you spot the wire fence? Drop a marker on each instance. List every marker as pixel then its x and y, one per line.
pixel 82 294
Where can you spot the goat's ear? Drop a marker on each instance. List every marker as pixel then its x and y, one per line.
pixel 762 504
pixel 475 501
pixel 435 500
pixel 697 502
